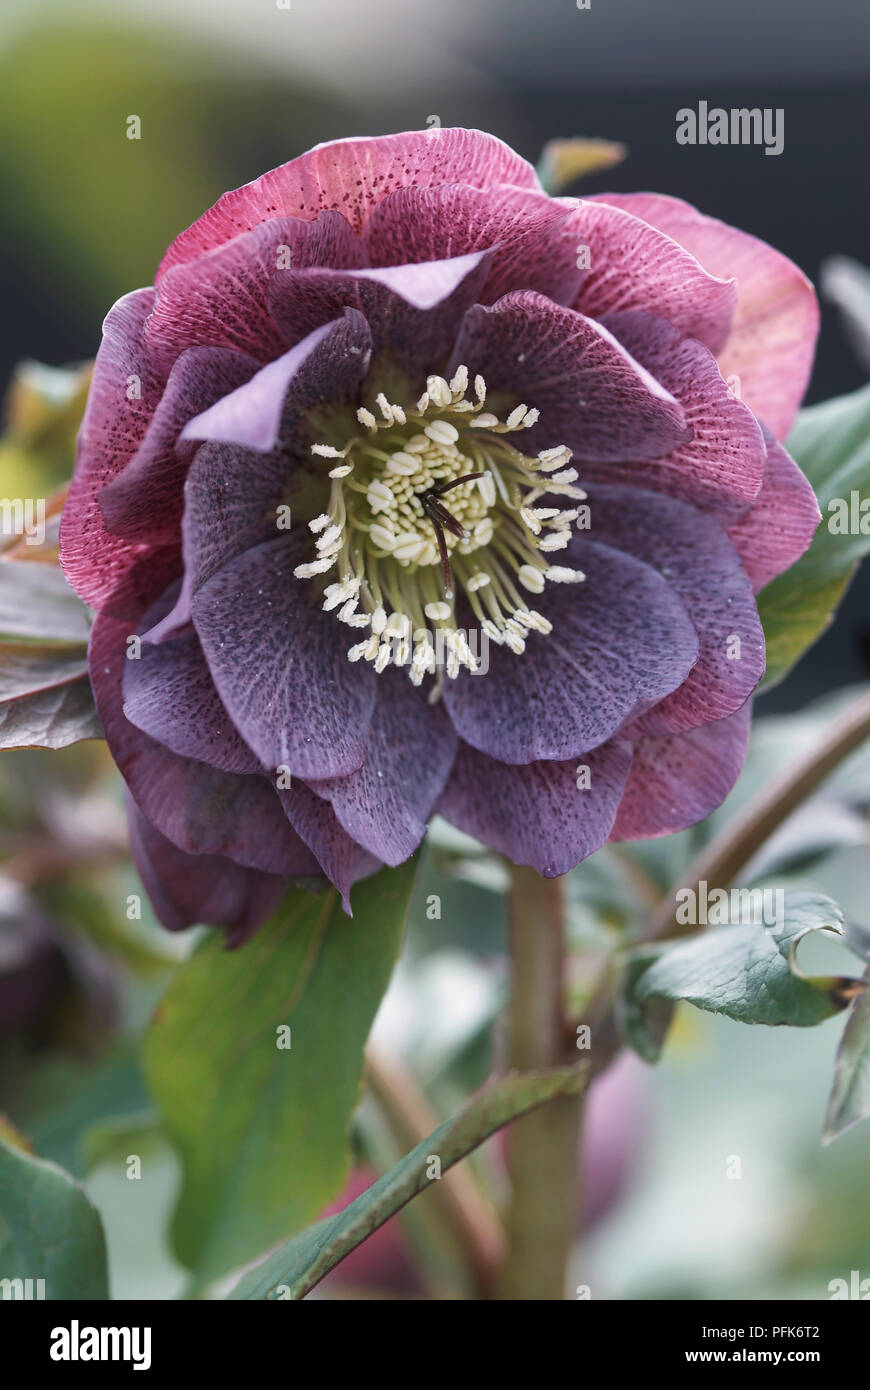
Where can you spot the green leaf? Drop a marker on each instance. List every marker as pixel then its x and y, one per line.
pixel 292 1271
pixel 37 602
pixel 51 718
pixel 850 1097
pixel 52 1230
pixel 749 973
pixel 831 442
pixel 262 1130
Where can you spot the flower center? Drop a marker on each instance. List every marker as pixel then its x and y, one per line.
pixel 432 501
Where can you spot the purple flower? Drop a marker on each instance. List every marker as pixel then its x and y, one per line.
pixel 425 491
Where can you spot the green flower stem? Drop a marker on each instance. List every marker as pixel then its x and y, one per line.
pixel 543 1145
pixel 729 852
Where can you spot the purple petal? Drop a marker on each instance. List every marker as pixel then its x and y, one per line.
pixel 343 861
pixel 221 300
pixel 621 641
pixel 677 780
pixel 720 468
pixel 169 694
pixel 409 751
pixel 124 394
pixel 414 311
pixel 703 568
pixel 186 889
pixel 280 663
pixel 591 393
pixel 250 416
pixel 773 335
pixel 145 501
pixel 783 521
pixel 538 815
pixel 533 237
pixel 198 808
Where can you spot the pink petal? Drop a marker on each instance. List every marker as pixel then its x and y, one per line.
pixel 352 177
pixel 772 340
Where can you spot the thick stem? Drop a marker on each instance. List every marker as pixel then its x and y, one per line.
pixel 542 1155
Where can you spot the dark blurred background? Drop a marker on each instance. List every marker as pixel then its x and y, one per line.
pixel 226 90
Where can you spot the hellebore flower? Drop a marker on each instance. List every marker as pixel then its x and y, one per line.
pixel 409 488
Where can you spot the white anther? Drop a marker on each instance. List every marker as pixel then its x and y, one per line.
pixel 442 432
pixel 381 536
pixel 560 574
pixel 437 611
pixel 484 421
pixel 365 417
pixel 531 578
pixel 402 463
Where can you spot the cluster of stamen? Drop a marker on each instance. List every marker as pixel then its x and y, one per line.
pixel 434 499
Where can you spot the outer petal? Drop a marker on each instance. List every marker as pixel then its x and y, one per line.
pixel 537 815
pixel 221 300
pixel 773 336
pixel 621 641
pixel 344 861
pixel 534 237
pixel 186 889
pixel 703 568
pixel 352 177
pixel 144 502
pixel 409 752
pixel 783 521
pixel 124 394
pixel 169 694
pixel 591 393
pixel 280 664
pixel 677 780
pixel 721 467
pixel 200 809
pixel 633 266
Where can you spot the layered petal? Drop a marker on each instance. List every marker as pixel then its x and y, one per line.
pixel 199 808
pixel 591 393
pixel 410 748
pixel 677 780
pixel 634 266
pixel 413 311
pixel 701 565
pixel 221 299
pixel 550 815
pixel 533 238
pixel 773 335
pixel 352 177
pixel 125 392
pixel 344 861
pixel 186 889
pixel 783 521
pixel 144 502
pixel 169 694
pixel 280 664
pixel 621 641
pixel 721 467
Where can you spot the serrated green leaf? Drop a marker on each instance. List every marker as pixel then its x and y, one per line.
pixel 831 442
pixel 293 1271
pixel 747 972
pixel 52 1231
pixel 262 1130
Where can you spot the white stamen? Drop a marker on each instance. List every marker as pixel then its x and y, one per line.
pixel 531 578
pixel 437 611
pixel 560 574
pixel 442 432
pixel 365 417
